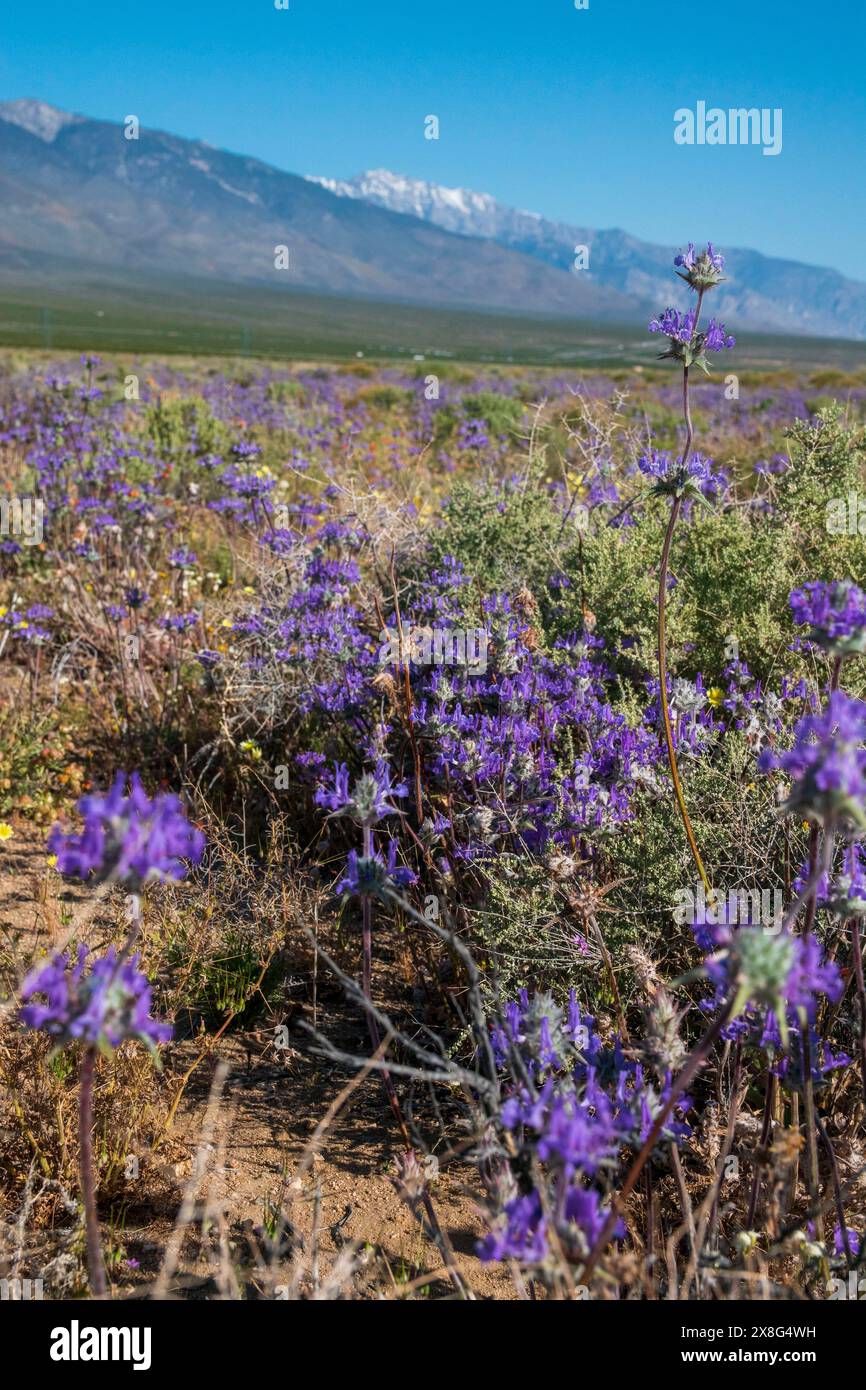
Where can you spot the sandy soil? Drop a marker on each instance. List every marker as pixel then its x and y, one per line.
pixel 336 1188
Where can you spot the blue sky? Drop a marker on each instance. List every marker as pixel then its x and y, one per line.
pixel 565 112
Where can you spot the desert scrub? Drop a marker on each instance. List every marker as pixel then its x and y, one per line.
pixel 40 1093
pixel 739 575
pixel 286 392
pixel 182 426
pixel 826 466
pixel 230 948
pixel 524 934
pixel 237 977
pixel 506 534
pixel 741 562
pixel 735 817
pixel 385 398
pixel 612 576
pixel 501 414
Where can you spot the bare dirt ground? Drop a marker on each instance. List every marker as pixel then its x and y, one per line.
pixel 250 1135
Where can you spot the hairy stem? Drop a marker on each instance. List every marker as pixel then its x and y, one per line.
pixel 766 1126
pixel 733 1115
pixel 861 999
pixel 662 641
pixel 663 697
pixel 810 1122
pixel 95 1267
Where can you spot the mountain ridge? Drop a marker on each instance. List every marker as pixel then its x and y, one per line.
pixel 761 291
pixel 74 190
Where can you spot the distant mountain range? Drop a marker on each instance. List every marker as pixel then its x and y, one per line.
pixel 77 199
pixel 761 292
pixel 76 192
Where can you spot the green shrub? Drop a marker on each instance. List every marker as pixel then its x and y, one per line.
pixel 502 414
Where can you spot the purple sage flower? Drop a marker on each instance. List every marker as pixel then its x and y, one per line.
pixel 128 838
pixel 835 614
pixel 674 325
pixel 702 270
pixel 100 1007
pixel 369 800
pixel 699 478
pixel 827 765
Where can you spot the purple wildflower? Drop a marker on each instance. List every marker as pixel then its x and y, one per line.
pixel 369 800
pixel 853 1241
pixel 373 876
pixel 698 477
pixel 702 270
pixel 100 1007
pixel 179 622
pixel 674 325
pixel 520 1234
pixel 770 976
pixel 584 1212
pixel 846 894
pixel 715 337
pixel 827 764
pixel 835 614
pixel 182 557
pixel 129 838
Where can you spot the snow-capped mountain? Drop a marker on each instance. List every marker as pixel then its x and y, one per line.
pixel 37 117
pixel 455 209
pixel 79 199
pixel 77 196
pixel 760 292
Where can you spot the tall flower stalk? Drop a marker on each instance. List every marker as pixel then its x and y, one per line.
pixel 128 840
pixel 663 696
pixel 689 477
pixel 369 801
pixel 95 1263
pixel 98 1006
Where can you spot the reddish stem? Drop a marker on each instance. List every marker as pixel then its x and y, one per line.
pixel 95 1267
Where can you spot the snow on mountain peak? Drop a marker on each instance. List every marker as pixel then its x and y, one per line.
pixel 37 117
pixel 455 209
